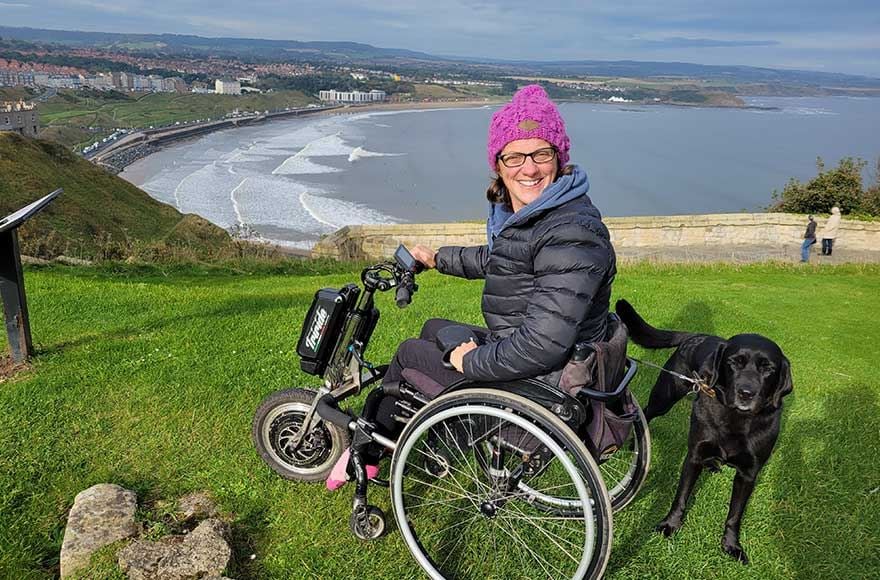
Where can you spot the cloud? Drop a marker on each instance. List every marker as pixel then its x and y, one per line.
pixel 13 5
pixel 104 6
pixel 681 42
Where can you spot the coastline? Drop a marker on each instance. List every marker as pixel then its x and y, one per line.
pixel 294 182
pixel 138 152
pixel 117 162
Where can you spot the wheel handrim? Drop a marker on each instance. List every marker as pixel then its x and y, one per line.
pixel 484 508
pixel 620 468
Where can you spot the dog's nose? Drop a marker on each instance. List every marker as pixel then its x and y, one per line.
pixel 746 394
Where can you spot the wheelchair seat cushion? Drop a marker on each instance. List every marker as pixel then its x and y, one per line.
pixel 422 383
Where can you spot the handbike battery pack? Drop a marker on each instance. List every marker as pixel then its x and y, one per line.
pixel 322 327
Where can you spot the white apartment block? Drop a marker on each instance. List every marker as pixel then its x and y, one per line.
pixel 227 87
pixel 335 96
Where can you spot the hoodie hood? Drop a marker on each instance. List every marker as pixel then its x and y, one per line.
pixel 561 191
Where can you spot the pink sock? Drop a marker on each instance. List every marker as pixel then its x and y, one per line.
pixel 339 474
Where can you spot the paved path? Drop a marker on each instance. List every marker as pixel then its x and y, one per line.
pixel 742 254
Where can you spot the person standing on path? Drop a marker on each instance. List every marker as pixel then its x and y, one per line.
pixel 830 231
pixel 809 239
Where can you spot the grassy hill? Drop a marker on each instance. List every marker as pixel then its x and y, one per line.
pixel 67 116
pixel 96 207
pixel 150 378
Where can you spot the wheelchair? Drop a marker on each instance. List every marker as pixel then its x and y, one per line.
pixel 507 479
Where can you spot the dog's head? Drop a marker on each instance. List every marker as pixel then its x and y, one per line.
pixel 750 371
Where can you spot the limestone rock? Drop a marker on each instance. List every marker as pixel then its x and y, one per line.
pixel 204 552
pixel 196 505
pixel 73 261
pixel 101 515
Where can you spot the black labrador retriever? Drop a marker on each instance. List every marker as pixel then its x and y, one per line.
pixel 738 426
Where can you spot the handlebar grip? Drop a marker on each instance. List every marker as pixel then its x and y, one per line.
pixel 403 296
pixel 327 410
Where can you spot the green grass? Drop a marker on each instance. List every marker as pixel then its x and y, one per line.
pixel 149 379
pixel 94 205
pixel 72 109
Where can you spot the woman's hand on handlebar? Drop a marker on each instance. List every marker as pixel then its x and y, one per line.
pixel 425 255
pixel 456 357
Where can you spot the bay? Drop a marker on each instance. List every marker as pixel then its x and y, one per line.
pixel 295 180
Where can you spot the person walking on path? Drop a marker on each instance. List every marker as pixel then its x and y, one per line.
pixel 830 231
pixel 809 239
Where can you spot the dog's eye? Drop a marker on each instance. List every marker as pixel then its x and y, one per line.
pixel 739 361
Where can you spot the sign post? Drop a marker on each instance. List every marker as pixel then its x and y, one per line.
pixel 15 309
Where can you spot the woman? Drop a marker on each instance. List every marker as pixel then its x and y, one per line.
pixel 548 264
pixel 830 231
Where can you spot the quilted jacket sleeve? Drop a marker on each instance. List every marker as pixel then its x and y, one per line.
pixel 464 262
pixel 571 264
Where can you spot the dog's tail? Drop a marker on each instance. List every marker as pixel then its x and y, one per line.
pixel 643 334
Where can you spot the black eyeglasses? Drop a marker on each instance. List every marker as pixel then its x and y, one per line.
pixel 515 159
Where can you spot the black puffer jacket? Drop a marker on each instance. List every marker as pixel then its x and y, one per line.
pixel 548 279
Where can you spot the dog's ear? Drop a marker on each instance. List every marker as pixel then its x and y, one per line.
pixel 784 386
pixel 710 370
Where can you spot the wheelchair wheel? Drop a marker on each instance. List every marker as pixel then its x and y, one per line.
pixel 278 419
pixel 625 470
pixel 481 516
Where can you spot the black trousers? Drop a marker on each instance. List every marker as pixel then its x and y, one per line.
pixel 422 354
pixel 827 244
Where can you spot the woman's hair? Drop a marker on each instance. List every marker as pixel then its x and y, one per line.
pixel 497 192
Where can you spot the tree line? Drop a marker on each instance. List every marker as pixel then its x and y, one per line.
pixel 841 186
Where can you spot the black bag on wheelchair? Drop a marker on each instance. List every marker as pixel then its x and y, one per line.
pixel 601 366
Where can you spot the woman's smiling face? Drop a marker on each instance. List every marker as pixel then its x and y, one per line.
pixel 526 182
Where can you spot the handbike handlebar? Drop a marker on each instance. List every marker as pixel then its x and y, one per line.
pixel 399 273
pixel 403 297
pixel 328 411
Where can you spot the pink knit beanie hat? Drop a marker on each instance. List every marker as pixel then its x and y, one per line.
pixel 530 115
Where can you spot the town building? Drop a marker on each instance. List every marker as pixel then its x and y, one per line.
pixel 20 117
pixel 227 87
pixel 334 96
pixel 16 78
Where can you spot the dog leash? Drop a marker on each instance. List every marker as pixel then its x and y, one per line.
pixel 697 381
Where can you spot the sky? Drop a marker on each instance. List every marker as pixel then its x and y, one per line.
pixel 830 36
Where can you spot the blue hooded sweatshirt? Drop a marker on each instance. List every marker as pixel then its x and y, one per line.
pixel 563 190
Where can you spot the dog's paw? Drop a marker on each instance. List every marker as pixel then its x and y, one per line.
pixel 735 550
pixel 668 526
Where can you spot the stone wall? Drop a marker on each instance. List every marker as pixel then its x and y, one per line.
pixel 775 230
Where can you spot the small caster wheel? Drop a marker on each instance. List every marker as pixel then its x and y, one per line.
pixel 367 522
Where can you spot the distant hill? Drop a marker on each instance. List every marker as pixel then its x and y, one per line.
pixel 183 43
pixel 408 60
pixel 94 205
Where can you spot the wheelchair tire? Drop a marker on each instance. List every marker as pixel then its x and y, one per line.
pixel 277 420
pixel 626 470
pixel 470 521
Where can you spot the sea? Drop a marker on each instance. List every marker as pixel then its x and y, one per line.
pixel 289 182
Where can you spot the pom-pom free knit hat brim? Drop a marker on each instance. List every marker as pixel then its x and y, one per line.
pixel 529 115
